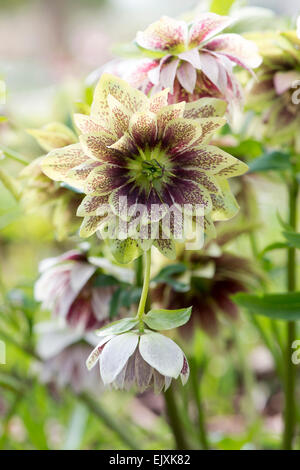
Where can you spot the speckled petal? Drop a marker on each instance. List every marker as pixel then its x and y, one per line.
pixel 133 100
pixel 90 205
pixel 224 205
pixel 58 162
pixel 166 34
pixel 86 125
pixel 207 158
pixel 168 113
pixel 205 108
pixel 158 101
pixel 208 127
pixel 238 49
pixel 119 116
pixel 105 179
pixel 143 128
pixel 180 133
pixel 206 26
pixel 90 225
pixel 97 148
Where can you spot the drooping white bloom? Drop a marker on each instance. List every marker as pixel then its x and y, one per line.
pixel 142 360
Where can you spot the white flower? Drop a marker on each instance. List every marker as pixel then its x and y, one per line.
pixel 144 360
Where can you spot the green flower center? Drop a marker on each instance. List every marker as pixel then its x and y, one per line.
pixel 152 169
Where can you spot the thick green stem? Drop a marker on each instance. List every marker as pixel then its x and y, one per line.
pixel 290 369
pixel 175 422
pixel 198 399
pixel 143 299
pixel 110 422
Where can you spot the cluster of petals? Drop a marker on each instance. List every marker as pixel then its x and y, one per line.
pixel 139 360
pixel 149 152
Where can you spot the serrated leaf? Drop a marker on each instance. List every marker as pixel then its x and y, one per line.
pixel 285 306
pixel 117 327
pixel 167 319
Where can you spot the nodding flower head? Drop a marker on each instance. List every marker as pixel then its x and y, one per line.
pixel 139 360
pixel 66 288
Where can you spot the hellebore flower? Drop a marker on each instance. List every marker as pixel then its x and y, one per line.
pixel 66 288
pixel 275 94
pixel 192 59
pixel 211 277
pixel 149 153
pixel 142 360
pixel 41 193
pixel 63 352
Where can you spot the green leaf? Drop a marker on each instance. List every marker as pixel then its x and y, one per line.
pixel 105 280
pixel 274 246
pixel 117 327
pixel 164 276
pixel 115 303
pixel 221 7
pixel 284 224
pixel 285 306
pixel 293 238
pixel 270 161
pixel 167 319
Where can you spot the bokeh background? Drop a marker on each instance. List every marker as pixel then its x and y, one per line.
pixel 48 48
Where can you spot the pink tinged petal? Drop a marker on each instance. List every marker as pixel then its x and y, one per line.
pixel 116 354
pixel 58 162
pixel 143 128
pixel 161 353
pixel 143 372
pixel 91 204
pixel 101 298
pixel 168 73
pixel 168 381
pixel 129 378
pixel 158 382
pixel 206 26
pixel 154 74
pixel 238 49
pixel 192 56
pixel 119 116
pixel 204 108
pixel 158 101
pixel 166 34
pixel 187 76
pixel 210 68
pixel 80 274
pixel 86 125
pixel 185 371
pixel 95 354
pixel 133 100
pixel 283 81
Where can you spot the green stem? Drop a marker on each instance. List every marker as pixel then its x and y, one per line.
pixel 174 419
pixel 13 155
pixel 9 184
pixel 290 369
pixel 197 395
pixel 110 422
pixel 143 299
